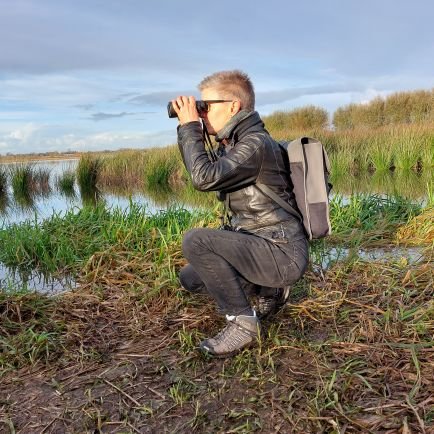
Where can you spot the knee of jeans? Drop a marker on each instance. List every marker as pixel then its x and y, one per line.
pixel 191 242
pixel 184 277
pixel 181 278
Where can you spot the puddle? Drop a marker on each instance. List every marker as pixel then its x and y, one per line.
pixel 12 280
pixel 326 258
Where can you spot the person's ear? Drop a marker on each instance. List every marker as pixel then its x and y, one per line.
pixel 235 107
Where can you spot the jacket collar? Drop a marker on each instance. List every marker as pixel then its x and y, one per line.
pixel 240 123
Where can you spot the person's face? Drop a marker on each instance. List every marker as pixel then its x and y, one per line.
pixel 219 113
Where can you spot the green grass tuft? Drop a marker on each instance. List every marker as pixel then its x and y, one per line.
pixel 65 183
pixel 88 171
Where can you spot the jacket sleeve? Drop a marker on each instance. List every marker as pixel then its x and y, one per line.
pixel 238 168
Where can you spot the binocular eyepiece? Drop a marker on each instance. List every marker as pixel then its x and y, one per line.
pixel 201 106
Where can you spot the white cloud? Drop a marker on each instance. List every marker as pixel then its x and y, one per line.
pixel 130 54
pixel 45 138
pixel 54 89
pixel 24 133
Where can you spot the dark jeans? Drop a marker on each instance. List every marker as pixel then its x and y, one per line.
pixel 231 265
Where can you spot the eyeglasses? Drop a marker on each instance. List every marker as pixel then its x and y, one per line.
pixel 205 105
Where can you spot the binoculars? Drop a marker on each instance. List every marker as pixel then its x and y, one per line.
pixel 201 106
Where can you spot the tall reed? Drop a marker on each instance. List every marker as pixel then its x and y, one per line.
pixel 3 181
pixel 22 179
pixel 123 168
pixel 65 183
pixel 163 167
pixel 307 118
pixel 397 109
pixel 23 186
pixel 4 205
pixel 381 158
pixel 400 146
pixel 88 171
pixel 41 181
pixel 4 199
pixel 341 164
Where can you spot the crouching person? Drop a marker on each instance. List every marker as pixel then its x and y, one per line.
pixel 264 250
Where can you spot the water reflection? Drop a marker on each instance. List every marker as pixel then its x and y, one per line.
pixel 55 190
pixel 16 280
pixel 323 258
pixel 4 203
pixel 407 184
pixel 24 201
pixel 90 196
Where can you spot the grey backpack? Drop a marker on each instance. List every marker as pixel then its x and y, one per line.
pixel 309 171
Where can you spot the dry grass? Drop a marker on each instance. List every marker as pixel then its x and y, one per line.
pixel 420 230
pixel 352 352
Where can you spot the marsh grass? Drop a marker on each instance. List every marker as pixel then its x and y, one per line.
pixel 409 154
pixel 341 164
pixel 3 181
pixel 41 181
pixel 88 171
pixel 65 243
pixel 362 149
pixel 130 334
pixel 369 219
pixel 381 158
pixel 427 154
pixel 65 183
pixel 4 197
pixel 355 150
pixel 21 179
pixel 396 109
pixel 23 186
pixel 150 168
pixel 307 118
pixel 163 168
pixel 123 168
pixel 419 230
pixel 322 360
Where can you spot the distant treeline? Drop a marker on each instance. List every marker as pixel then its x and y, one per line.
pixel 401 108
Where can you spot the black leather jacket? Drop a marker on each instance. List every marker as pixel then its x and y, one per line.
pixel 250 156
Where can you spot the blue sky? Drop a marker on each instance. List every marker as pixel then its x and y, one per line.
pixel 94 75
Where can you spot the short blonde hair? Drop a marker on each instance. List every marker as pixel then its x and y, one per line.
pixel 232 85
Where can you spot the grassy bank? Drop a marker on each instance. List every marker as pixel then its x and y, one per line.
pixel 352 351
pixel 66 243
pixel 150 168
pixel 399 148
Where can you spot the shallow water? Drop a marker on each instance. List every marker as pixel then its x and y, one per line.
pixel 41 206
pixel 13 280
pixel 326 258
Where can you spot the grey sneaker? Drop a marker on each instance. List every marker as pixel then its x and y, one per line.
pixel 270 305
pixel 240 332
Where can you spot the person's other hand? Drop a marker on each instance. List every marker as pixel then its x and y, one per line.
pixel 185 108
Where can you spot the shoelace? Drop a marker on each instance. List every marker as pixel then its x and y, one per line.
pixel 228 331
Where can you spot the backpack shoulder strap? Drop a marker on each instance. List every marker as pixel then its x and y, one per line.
pixel 272 195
